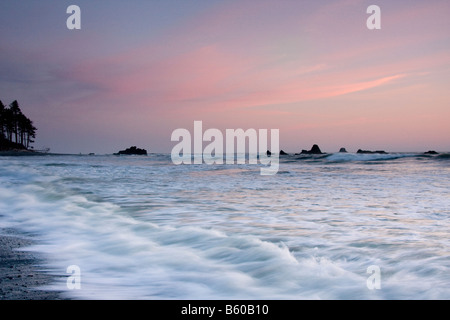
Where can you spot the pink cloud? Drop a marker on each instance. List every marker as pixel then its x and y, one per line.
pixel 219 73
pixel 198 74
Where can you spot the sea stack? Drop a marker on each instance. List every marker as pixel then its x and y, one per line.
pixel 371 152
pixel 133 150
pixel 343 150
pixel 314 150
pixel 282 153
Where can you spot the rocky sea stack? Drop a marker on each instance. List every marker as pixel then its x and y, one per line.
pixel 371 152
pixel 314 150
pixel 282 153
pixel 133 150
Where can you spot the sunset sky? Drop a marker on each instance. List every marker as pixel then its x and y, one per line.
pixel 137 70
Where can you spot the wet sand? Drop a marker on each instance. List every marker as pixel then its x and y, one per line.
pixel 20 273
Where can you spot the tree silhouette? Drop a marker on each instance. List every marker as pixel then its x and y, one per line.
pixel 16 130
pixel 2 121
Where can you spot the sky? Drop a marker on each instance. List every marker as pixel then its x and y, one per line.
pixel 137 70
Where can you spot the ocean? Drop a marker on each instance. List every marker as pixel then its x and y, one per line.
pixel 140 227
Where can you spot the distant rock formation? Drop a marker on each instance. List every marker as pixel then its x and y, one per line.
pixel 314 150
pixel 133 150
pixel 371 152
pixel 431 152
pixel 343 150
pixel 282 153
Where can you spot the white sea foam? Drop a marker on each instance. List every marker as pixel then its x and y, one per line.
pixel 121 257
pixel 343 157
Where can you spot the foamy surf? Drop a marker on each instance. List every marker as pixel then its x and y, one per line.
pixel 343 157
pixel 143 229
pixel 122 258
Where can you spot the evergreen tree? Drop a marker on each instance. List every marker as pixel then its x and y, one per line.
pixel 16 130
pixel 16 114
pixel 2 122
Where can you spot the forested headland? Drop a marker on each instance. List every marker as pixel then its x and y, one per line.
pixel 16 129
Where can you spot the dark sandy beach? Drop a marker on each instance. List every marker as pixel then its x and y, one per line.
pixel 20 273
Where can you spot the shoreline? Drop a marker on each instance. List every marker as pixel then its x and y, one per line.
pixel 21 153
pixel 20 274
